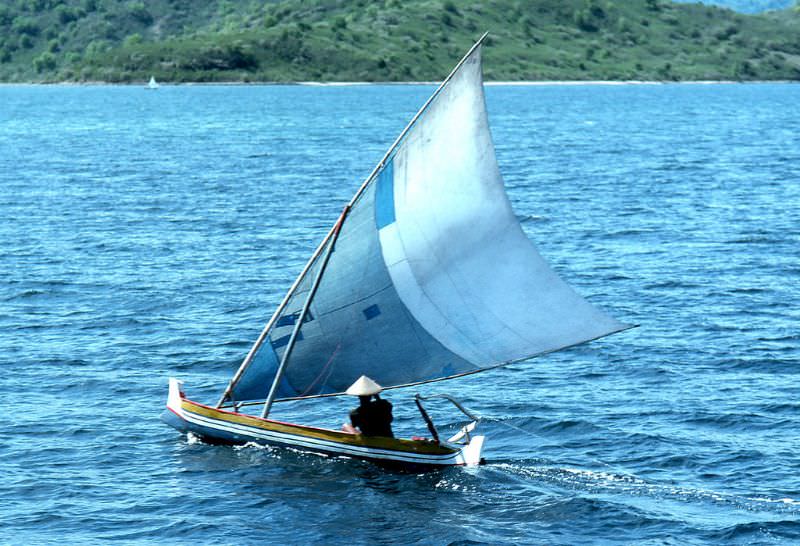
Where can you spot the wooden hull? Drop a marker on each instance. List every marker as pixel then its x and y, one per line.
pixel 220 426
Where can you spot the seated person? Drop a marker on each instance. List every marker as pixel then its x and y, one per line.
pixel 371 417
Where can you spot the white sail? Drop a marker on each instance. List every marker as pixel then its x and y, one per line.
pixel 457 254
pixel 431 276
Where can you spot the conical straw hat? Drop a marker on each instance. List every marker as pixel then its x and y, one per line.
pixel 364 387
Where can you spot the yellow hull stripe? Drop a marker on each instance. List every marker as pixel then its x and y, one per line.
pixel 395 444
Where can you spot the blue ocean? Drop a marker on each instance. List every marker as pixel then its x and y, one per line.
pixel 148 234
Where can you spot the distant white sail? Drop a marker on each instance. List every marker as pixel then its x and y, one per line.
pixel 152 84
pixel 431 276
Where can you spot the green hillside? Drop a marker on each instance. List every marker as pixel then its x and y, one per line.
pixel 392 40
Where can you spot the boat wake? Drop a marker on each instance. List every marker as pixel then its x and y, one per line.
pixel 604 483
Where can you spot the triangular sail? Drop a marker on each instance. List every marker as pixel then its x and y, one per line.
pixel 431 275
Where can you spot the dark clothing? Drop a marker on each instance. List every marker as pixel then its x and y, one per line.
pixel 373 418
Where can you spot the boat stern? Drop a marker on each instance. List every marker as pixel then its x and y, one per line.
pixel 469 450
pixel 471 453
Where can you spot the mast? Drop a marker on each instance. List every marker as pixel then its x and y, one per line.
pixel 296 330
pixel 254 349
pixel 333 233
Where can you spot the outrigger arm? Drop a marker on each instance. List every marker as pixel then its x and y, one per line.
pixel 463 432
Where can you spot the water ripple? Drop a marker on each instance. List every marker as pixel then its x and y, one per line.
pixel 151 234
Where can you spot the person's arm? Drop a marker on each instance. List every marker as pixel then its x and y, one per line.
pixel 353 426
pixel 347 427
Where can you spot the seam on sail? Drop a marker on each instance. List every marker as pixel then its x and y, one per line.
pixel 359 300
pixel 422 290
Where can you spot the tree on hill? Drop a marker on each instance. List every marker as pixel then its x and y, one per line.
pixel 389 40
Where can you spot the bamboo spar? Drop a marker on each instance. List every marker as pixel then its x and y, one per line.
pixel 296 330
pixel 250 355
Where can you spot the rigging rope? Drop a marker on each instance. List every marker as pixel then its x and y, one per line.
pixel 591 459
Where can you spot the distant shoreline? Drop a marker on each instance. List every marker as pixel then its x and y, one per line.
pixel 357 84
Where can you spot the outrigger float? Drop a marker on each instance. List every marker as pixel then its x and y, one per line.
pixel 426 275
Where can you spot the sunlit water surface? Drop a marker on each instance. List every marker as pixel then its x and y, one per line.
pixel 151 233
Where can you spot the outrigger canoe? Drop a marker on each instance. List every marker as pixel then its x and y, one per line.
pixel 219 426
pixel 425 276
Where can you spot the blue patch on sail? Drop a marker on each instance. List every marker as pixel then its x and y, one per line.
pixel 281 341
pixel 371 312
pixel 255 384
pixel 384 197
pixel 289 320
pixel 286 320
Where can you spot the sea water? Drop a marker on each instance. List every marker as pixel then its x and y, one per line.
pixel 148 234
